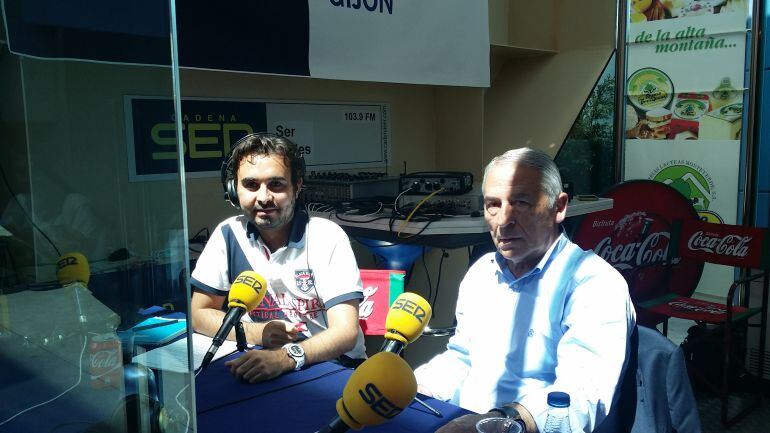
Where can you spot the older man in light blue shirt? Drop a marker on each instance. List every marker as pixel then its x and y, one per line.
pixel 538 315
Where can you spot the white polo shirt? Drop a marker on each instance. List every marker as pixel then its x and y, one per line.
pixel 315 271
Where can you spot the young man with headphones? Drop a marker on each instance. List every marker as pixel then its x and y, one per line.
pixel 310 312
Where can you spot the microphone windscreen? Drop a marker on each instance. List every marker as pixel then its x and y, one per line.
pixel 407 318
pixel 247 291
pixel 73 267
pixel 378 390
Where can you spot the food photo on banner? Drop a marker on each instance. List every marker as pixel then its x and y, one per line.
pixel 685 70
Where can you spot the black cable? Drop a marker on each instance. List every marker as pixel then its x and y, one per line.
pixel 29 217
pixel 194 238
pixel 415 237
pixel 444 254
pixel 427 276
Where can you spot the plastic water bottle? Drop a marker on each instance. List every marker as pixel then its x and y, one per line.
pixel 557 420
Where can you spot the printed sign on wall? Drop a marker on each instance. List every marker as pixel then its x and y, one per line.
pixel 330 135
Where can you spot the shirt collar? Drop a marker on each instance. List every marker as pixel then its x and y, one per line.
pixel 297 233
pixel 549 255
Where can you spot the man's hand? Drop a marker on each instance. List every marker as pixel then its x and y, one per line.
pixel 276 333
pixel 260 365
pixel 463 424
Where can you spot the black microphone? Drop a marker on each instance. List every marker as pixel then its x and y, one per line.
pixel 245 294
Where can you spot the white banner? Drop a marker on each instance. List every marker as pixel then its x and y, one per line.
pixel 705 171
pixel 403 41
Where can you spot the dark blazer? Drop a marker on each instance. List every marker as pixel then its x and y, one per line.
pixel 655 395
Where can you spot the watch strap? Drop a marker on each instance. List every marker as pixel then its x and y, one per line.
pixel 508 412
pixel 298 360
pixel 520 414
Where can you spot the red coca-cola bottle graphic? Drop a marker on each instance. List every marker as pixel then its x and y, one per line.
pixel 105 361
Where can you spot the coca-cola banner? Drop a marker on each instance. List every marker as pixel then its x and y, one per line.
pixel 725 244
pixel 634 238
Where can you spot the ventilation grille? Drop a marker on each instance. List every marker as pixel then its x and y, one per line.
pixel 754 363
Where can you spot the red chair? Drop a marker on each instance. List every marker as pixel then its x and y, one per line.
pixel 745 248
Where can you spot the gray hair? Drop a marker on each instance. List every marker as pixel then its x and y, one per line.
pixel 550 179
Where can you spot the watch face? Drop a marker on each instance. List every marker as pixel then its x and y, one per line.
pixel 295 350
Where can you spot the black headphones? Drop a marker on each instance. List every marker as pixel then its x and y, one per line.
pixel 227 172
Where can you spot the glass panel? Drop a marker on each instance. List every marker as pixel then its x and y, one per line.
pixel 587 156
pixel 87 254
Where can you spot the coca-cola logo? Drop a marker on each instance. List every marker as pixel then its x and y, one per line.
pixel 366 308
pixel 635 236
pixel 104 359
pixel 728 245
pixel 708 309
pixel 624 256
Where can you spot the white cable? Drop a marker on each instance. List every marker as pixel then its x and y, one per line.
pixel 375 212
pixel 80 378
pixel 179 403
pixel 395 202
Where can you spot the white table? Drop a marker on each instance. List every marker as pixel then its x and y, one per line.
pixel 448 232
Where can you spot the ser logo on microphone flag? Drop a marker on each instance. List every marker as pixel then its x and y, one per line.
pixel 410 307
pixel 66 261
pixel 249 281
pixel 377 401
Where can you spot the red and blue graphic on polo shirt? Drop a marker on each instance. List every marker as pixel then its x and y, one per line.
pixel 304 280
pixel 282 306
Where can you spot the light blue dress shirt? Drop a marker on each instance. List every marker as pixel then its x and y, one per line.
pixel 563 326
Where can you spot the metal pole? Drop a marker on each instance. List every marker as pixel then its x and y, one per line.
pixel 752 121
pixel 620 88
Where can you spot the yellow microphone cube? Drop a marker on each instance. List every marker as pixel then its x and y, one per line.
pixel 377 391
pixel 73 267
pixel 247 291
pixel 407 318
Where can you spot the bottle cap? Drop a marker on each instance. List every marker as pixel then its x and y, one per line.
pixel 558 399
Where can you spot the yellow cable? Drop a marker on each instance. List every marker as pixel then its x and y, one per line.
pixel 408 217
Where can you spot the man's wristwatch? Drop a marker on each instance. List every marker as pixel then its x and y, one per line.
pixel 509 412
pixel 297 353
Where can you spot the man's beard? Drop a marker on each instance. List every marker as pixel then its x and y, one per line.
pixel 275 221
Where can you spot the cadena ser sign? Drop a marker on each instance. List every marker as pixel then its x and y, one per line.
pixel 330 135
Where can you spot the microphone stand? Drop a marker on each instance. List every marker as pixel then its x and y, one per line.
pixel 397 347
pixel 240 337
